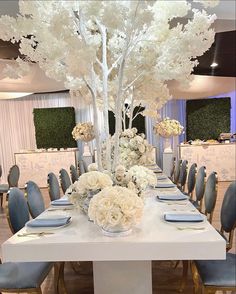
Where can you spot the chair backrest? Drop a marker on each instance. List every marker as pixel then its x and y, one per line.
pixel 34 199
pixel 228 213
pixel 53 187
pixel 200 185
pixel 17 210
pixel 64 179
pixel 172 168
pixel 183 174
pixel 74 174
pixel 210 195
pixel 81 167
pixel 13 176
pixel 192 179
pixel 177 171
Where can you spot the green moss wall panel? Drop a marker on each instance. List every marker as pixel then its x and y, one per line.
pixel 207 118
pixel 53 127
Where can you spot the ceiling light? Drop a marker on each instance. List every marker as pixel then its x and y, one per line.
pixel 214 64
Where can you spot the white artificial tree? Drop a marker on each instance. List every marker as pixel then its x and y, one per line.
pixel 113 51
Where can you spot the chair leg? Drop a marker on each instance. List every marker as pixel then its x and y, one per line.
pixel 59 282
pixel 1 195
pixel 184 275
pixel 195 276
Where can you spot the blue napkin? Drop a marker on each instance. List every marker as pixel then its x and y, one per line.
pixel 162 177
pixel 61 202
pixel 173 197
pixel 49 222
pixel 183 217
pixel 163 185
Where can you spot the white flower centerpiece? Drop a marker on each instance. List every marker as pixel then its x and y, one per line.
pixel 86 187
pixel 137 178
pixel 85 133
pixel 134 149
pixel 116 210
pixel 168 128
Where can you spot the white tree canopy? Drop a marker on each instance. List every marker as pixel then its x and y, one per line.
pixel 111 52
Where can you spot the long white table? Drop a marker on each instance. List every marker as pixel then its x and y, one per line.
pixel 120 265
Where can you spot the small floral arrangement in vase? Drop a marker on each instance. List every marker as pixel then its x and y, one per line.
pixel 134 148
pixel 168 128
pixel 85 133
pixel 90 183
pixel 116 210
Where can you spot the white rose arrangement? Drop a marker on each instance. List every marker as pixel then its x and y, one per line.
pixel 137 178
pixel 83 132
pixel 134 149
pixel 168 128
pixel 88 184
pixel 116 208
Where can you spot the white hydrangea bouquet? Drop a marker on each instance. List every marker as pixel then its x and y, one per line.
pixel 134 149
pixel 83 132
pixel 116 209
pixel 168 128
pixel 86 187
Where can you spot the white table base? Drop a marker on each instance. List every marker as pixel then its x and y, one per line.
pixel 122 277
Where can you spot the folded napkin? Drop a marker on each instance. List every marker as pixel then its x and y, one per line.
pixel 165 185
pixel 61 202
pixel 162 177
pixel 172 197
pixel 49 222
pixel 157 171
pixel 183 217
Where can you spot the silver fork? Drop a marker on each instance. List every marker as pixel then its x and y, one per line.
pixel 39 234
pixel 190 228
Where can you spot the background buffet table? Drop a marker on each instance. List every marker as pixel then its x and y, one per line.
pixel 216 157
pixel 35 165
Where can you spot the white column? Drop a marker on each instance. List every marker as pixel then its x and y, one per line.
pixel 122 277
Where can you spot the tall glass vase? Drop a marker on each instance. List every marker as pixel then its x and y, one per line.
pixel 86 150
pixel 167 145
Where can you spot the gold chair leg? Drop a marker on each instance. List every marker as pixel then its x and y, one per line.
pixel 75 266
pixel 59 281
pixel 184 275
pixel 195 276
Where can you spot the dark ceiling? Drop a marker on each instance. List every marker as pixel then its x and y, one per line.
pixel 223 52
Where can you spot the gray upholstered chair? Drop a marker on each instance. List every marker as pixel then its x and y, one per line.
pixel 228 215
pixel 220 275
pixel 34 199
pixel 172 168
pixel 183 175
pixel 81 167
pixel 191 180
pixel 12 179
pixel 64 179
pixel 200 187
pixel 210 195
pixel 21 276
pixel 177 171
pixel 53 187
pixel 73 174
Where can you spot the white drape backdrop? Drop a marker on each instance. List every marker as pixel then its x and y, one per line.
pixel 17 128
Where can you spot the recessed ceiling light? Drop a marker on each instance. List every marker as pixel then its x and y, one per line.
pixel 214 64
